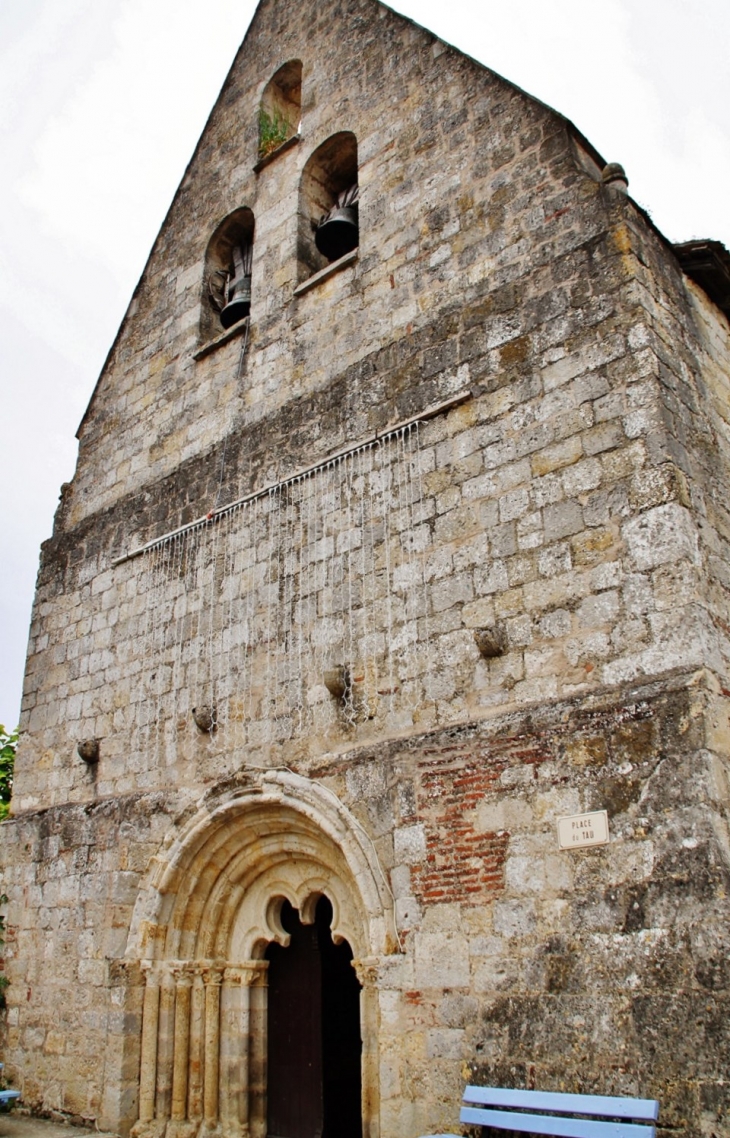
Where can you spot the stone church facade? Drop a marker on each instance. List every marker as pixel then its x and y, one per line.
pixel 354 595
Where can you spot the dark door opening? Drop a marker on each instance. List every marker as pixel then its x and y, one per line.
pixel 314 1046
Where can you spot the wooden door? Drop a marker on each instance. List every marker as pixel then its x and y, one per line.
pixel 314 1045
pixel 341 1041
pixel 294 1092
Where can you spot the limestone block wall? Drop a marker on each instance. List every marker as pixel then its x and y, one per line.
pixel 509 412
pixel 603 969
pixel 690 341
pixel 74 1016
pixel 551 502
pixel 563 533
pixel 467 186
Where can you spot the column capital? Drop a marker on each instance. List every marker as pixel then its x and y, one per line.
pixel 367 970
pixel 182 974
pixel 246 973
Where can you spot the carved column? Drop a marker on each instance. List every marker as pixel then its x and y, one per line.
pixel 204 1049
pixel 212 978
pixel 165 1044
pixel 236 1045
pixel 257 1076
pixel 197 1032
pixel 366 971
pixel 181 1050
pixel 148 1058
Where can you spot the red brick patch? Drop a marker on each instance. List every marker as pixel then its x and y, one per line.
pixel 462 864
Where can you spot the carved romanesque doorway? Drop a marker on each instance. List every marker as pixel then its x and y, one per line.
pixel 314 1038
pixel 267 914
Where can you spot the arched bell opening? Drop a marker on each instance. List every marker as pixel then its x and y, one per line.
pixel 314 1042
pixel 281 107
pixel 227 275
pixel 329 225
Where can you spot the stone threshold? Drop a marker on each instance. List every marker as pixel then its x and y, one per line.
pixel 325 273
pixel 229 334
pixel 264 162
pixel 311 282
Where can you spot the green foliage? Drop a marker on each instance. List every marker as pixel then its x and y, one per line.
pixel 8 747
pixel 3 978
pixel 273 130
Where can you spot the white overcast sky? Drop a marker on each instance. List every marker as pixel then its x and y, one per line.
pixel 102 102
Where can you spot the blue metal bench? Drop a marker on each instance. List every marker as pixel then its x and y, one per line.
pixel 8 1096
pixel 608 1117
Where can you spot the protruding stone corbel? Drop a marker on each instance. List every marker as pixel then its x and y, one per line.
pixel 88 750
pixel 337 681
pixel 614 175
pixel 491 641
pixel 205 718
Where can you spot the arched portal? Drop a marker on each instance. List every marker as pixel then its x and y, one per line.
pixel 214 913
pixel 313 1032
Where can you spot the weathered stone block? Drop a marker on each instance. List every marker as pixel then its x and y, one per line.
pixel 665 533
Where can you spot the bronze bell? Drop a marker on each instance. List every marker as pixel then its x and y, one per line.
pixel 239 304
pixel 338 232
pixel 238 289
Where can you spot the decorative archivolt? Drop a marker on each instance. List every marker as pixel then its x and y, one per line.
pixel 216 891
pixel 211 906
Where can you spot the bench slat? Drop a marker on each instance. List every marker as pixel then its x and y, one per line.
pixel 607 1105
pixel 554 1124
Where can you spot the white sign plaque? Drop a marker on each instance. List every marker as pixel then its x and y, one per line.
pixel 580 830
